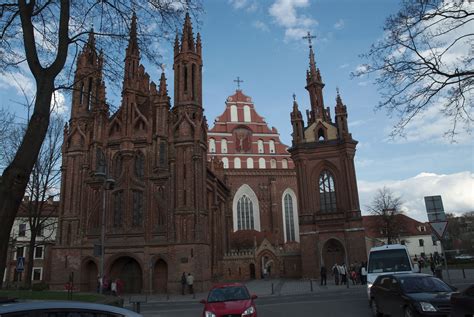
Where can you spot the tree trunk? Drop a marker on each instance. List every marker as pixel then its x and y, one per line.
pixel 30 260
pixel 15 177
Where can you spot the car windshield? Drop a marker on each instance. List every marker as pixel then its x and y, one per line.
pixel 226 294
pixel 389 261
pixel 423 284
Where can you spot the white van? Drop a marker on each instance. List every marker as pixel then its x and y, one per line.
pixel 388 259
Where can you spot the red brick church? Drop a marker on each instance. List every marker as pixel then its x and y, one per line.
pixel 226 203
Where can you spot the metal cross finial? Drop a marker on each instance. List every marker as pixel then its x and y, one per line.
pixel 309 37
pixel 337 90
pixel 294 97
pixel 238 81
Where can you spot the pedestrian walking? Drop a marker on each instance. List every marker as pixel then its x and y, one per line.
pixel 335 272
pixel 190 281
pixel 183 283
pixel 113 287
pixel 343 272
pixel 323 275
pixel 363 273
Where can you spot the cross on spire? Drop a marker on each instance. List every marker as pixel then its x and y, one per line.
pixel 294 97
pixel 309 37
pixel 238 81
pixel 163 67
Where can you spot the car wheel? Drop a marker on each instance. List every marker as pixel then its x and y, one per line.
pixel 409 312
pixel 375 309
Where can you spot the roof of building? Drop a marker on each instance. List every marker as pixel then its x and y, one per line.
pixel 50 208
pixel 409 226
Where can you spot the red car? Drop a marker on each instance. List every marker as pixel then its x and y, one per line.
pixel 229 300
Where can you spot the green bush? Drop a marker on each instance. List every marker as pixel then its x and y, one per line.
pixel 41 286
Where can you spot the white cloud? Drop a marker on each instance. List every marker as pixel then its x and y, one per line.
pixel 363 83
pixel 19 82
pixel 456 190
pixel 343 66
pixel 285 13
pixel 238 4
pixel 339 25
pixel 248 5
pixel 261 26
pixel 58 103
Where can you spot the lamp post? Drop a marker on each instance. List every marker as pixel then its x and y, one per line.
pixel 108 184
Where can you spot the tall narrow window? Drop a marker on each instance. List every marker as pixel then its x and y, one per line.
pixel 224 146
pixel 137 219
pixel 185 78
pixel 327 192
pixel 89 94
pixel 225 162
pixel 81 93
pixel 249 162
pixel 247 117
pixel 163 152
pixel 22 230
pixel 118 209
pixel 193 75
pixel 245 220
pixel 289 218
pixel 237 163
pixel 212 146
pixel 284 163
pixel 139 165
pixel 100 164
pixel 273 163
pixel 261 163
pixel 233 113
pixel 271 146
pixel 260 146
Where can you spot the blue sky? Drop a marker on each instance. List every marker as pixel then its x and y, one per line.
pixel 260 41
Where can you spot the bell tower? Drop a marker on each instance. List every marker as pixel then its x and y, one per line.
pixel 323 153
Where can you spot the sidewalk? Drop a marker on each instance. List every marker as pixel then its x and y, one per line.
pixel 280 286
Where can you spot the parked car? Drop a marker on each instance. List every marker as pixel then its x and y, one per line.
pixel 410 295
pixel 230 299
pixel 464 257
pixel 63 309
pixel 463 303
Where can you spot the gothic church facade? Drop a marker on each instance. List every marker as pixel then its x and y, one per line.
pixel 230 202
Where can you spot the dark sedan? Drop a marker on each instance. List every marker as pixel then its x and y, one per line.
pixel 463 303
pixel 410 295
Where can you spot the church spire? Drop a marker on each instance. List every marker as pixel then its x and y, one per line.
pixel 187 40
pixel 314 85
pixel 297 122
pixel 132 55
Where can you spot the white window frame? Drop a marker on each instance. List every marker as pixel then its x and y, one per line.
pixel 212 145
pixel 261 149
pixel 247 114
pixel 271 146
pixel 273 163
pixel 290 192
pixel 249 162
pixel 42 253
pixel 261 163
pixel 234 117
pixel 247 191
pixel 224 146
pixel 284 163
pixel 237 163
pixel 225 162
pixel 33 273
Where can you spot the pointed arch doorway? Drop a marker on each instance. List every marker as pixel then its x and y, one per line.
pixel 333 252
pixel 129 271
pixel 89 276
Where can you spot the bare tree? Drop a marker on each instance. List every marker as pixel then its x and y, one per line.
pixel 425 60
pixel 7 120
pixel 44 37
pixel 386 206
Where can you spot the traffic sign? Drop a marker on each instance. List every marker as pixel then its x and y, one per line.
pixel 435 209
pixel 439 228
pixel 20 264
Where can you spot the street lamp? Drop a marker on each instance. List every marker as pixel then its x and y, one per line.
pixel 108 184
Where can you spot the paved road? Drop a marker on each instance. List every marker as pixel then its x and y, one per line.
pixel 343 303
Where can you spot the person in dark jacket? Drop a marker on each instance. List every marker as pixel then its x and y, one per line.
pixel 183 283
pixel 323 275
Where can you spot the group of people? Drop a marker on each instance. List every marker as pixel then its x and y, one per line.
pixel 357 273
pixel 114 287
pixel 187 280
pixel 435 262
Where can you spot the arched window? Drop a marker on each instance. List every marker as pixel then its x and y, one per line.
pixel 260 146
pixel 273 163
pixel 271 146
pixel 284 163
pixel 249 163
pixel 290 216
pixel 247 117
pixel 237 162
pixel 225 161
pixel 212 146
pixel 139 165
pixel 261 163
pixel 327 192
pixel 224 146
pixel 137 212
pixel 245 209
pixel 233 113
